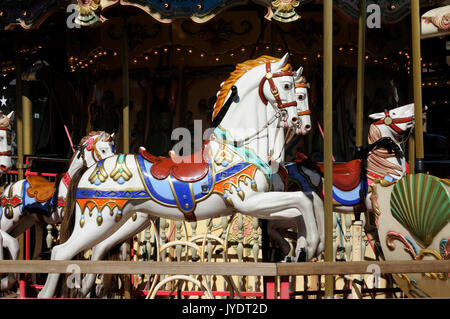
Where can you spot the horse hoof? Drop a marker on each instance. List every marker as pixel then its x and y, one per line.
pixel 301 256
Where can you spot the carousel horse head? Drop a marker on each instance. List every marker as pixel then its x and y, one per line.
pixel 277 88
pixel 396 122
pixel 265 87
pixel 95 147
pixel 6 137
pixel 303 111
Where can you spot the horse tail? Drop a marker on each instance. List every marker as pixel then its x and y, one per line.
pixel 69 217
pixel 110 281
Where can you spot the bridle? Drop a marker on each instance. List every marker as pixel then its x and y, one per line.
pixel 8 139
pixel 269 76
pixel 391 122
pixel 95 155
pixel 308 111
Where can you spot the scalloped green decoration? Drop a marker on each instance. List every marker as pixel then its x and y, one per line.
pixel 421 203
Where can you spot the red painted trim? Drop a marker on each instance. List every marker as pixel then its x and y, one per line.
pixel 27 245
pixel 284 287
pixel 22 288
pixel 270 288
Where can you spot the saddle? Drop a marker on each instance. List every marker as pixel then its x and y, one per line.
pixel 188 169
pixel 40 188
pixel 346 176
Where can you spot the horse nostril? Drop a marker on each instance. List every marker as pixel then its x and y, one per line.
pixel 294 120
pixel 307 127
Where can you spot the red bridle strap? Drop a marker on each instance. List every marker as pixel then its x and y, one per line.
pixel 269 77
pixel 7 153
pixel 389 121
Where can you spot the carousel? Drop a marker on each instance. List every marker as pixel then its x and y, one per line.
pixel 224 149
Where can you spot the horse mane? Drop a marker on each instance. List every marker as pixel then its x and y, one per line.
pixel 91 134
pixel 67 222
pixel 378 158
pixel 69 207
pixel 241 69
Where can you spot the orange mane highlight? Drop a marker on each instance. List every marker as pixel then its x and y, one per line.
pixel 240 70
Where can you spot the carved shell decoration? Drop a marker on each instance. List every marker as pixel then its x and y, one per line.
pixel 421 203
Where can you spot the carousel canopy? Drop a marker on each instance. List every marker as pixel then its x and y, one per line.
pixel 30 14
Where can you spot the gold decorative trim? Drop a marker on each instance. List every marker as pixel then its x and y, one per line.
pixel 121 170
pixel 98 173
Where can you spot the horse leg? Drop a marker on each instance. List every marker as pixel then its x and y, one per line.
pixel 280 205
pixel 83 238
pixel 129 229
pixel 12 245
pixel 300 249
pixel 274 233
pixel 319 216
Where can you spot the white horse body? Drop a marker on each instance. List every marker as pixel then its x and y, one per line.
pixel 249 194
pixel 393 124
pixel 15 220
pixel 140 221
pixel 6 137
pixel 384 122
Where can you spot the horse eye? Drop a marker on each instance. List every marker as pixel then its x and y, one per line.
pixel 301 97
pixel 287 86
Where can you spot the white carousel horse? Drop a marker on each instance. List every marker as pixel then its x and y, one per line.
pixel 35 199
pixel 230 173
pixel 387 133
pixel 140 221
pixel 308 245
pixel 6 137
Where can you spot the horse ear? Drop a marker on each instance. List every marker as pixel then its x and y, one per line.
pixel 280 64
pixel 102 137
pixel 11 116
pixel 112 135
pixel 376 116
pixel 298 73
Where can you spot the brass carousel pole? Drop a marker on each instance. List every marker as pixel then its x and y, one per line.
pixel 126 131
pixel 356 227
pixel 19 131
pixel 417 78
pixel 328 137
pixel 360 77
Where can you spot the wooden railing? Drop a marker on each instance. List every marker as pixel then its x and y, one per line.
pixel 182 270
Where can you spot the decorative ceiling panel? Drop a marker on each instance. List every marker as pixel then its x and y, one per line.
pixel 31 13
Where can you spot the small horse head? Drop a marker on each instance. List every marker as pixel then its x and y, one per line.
pixel 398 120
pixel 96 147
pixel 303 111
pixel 6 137
pixel 277 87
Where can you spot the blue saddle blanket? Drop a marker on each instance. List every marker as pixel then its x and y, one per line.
pixel 173 192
